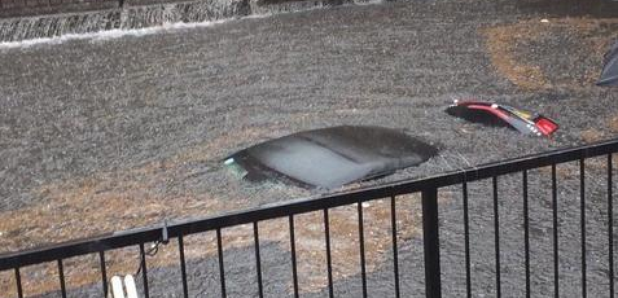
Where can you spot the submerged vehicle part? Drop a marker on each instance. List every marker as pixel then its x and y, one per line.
pixel 331 157
pixel 609 75
pixel 500 115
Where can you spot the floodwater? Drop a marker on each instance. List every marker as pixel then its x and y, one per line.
pixel 104 134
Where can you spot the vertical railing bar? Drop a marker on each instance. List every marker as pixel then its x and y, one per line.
pixel 361 240
pixel 497 235
pixel 431 243
pixel 329 264
pixel 103 272
pixel 221 265
pixel 63 288
pixel 582 178
pixel 20 290
pixel 554 195
pixel 467 239
pixel 610 219
pixel 293 252
pixel 258 261
pixel 395 247
pixel 144 269
pixel 183 266
pixel 526 230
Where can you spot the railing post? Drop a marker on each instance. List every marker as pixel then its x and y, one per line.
pixel 431 241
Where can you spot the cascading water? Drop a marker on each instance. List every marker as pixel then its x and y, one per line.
pixel 40 27
pixel 130 18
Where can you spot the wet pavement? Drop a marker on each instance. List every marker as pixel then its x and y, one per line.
pixel 90 129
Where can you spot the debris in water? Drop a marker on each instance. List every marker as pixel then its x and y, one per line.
pixel 331 157
pixel 609 75
pixel 500 115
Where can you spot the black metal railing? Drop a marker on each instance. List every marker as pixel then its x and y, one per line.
pixel 431 223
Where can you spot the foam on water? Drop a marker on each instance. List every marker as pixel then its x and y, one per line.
pixel 108 34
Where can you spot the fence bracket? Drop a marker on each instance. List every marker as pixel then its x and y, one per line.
pixel 165 239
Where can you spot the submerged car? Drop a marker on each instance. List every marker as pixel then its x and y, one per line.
pixel 331 157
pixel 609 75
pixel 500 115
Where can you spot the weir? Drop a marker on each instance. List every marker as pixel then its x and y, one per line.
pixel 145 16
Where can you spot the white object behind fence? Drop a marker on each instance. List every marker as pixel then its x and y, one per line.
pixel 120 290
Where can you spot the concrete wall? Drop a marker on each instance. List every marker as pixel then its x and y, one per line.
pixel 148 2
pixel 21 8
pixel 16 8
